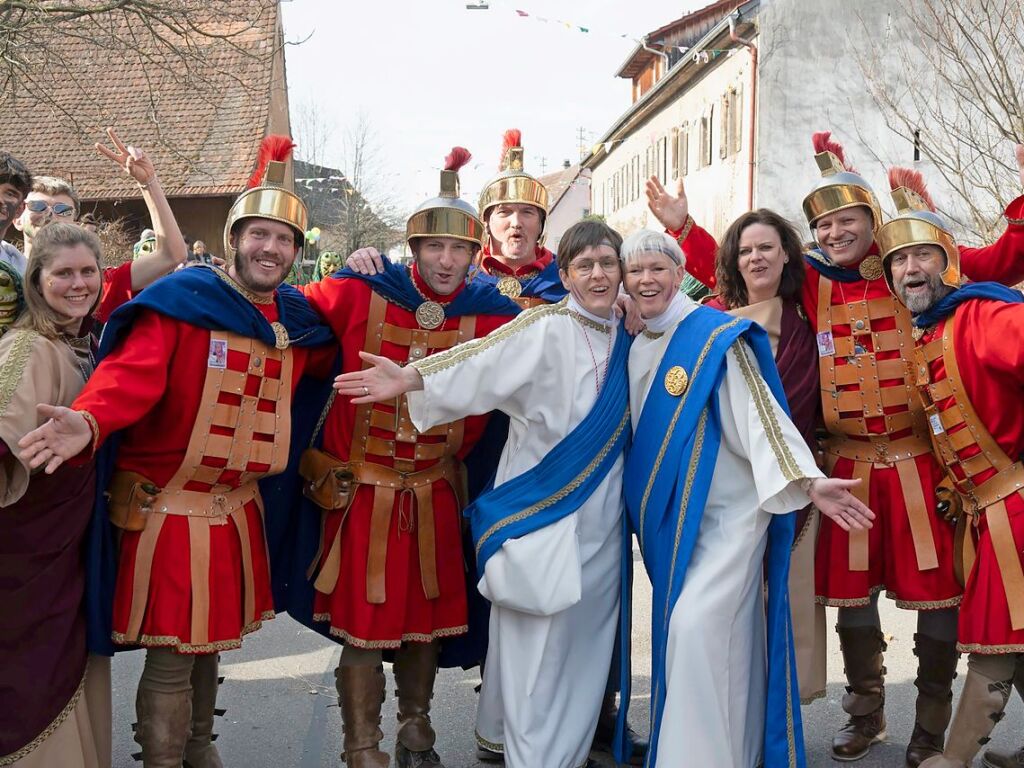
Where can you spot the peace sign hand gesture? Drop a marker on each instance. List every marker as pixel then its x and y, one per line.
pixel 131 159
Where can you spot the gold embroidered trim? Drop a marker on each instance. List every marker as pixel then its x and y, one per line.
pixel 988 650
pixel 561 494
pixel 790 730
pixel 675 418
pixel 442 360
pixel 812 698
pixel 1018 222
pixel 652 334
pixel 95 427
pixel 166 641
pixel 924 605
pixel 408 637
pixel 848 602
pixel 249 295
pixel 805 528
pixel 584 320
pixel 763 401
pixel 14 366
pixel 493 746
pixel 816 256
pixel 47 732
pixel 685 231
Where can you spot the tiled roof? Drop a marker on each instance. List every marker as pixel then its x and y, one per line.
pixel 201 125
pixel 558 183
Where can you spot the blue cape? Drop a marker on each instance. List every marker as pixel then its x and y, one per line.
pixel 823 264
pixel 200 297
pixel 567 476
pixel 668 475
pixel 947 304
pixel 547 285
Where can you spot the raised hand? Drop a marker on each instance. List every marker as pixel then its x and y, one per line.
pixel 670 210
pixel 365 261
pixel 835 499
pixel 386 380
pixel 64 435
pixel 131 159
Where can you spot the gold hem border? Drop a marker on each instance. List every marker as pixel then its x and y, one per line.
pixel 848 602
pixel 56 723
pixel 493 746
pixel 407 637
pixel 812 698
pixel 173 641
pixel 988 650
pixel 924 605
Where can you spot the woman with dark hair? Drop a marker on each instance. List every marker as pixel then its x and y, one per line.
pixel 759 272
pixel 55 698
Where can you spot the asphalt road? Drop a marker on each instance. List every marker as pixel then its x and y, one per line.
pixel 282 709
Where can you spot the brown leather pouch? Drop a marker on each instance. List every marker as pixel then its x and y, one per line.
pixel 329 481
pixel 128 500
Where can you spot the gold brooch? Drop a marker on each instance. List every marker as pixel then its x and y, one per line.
pixel 429 315
pixel 510 287
pixel 676 380
pixel 281 340
pixel 871 268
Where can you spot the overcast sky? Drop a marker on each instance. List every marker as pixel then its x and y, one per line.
pixel 430 74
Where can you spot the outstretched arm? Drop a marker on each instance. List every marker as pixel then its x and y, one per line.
pixel 65 435
pixel 384 380
pixel 170 245
pixel 835 499
pixel 673 212
pixel 1003 260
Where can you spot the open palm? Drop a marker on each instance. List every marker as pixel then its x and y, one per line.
pixel 65 434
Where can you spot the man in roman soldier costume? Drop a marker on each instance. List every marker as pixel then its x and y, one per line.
pixel 181 456
pixel 876 431
pixel 389 573
pixel 968 369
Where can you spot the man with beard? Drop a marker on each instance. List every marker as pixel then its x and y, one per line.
pixel 186 454
pixel 969 373
pixel 389 570
pixel 876 432
pixel 15 184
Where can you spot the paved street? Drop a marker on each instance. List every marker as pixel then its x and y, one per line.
pixel 282 710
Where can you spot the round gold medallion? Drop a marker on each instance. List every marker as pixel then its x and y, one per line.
pixel 430 315
pixel 871 268
pixel 676 380
pixel 281 339
pixel 510 287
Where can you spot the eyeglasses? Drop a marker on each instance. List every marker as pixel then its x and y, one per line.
pixel 59 209
pixel 608 265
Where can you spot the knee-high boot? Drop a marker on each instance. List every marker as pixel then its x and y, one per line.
pixel 360 694
pixel 163 705
pixel 415 670
pixel 200 751
pixel 994 758
pixel 936 668
pixel 864 701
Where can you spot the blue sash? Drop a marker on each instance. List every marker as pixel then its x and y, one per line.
pixel 568 474
pixel 547 285
pixel 668 474
pixel 948 304
pixel 817 259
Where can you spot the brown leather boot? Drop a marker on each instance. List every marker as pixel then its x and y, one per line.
pixel 994 758
pixel 981 706
pixel 163 725
pixel 415 669
pixel 864 701
pixel 936 668
pixel 636 744
pixel 360 694
pixel 199 751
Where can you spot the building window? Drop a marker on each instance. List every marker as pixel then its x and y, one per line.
pixel 636 176
pixel 663 158
pixel 731 130
pixel 683 152
pixel 706 144
pixel 675 153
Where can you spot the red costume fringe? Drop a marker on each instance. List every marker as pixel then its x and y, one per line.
pixel 457 158
pixel 912 180
pixel 275 147
pixel 513 138
pixel 823 142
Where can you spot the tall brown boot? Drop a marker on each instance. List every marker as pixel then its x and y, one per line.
pixel 162 730
pixel 981 706
pixel 360 694
pixel 200 751
pixel 994 758
pixel 864 701
pixel 415 670
pixel 936 668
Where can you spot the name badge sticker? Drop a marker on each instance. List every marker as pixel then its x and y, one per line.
pixel 218 357
pixel 936 422
pixel 826 345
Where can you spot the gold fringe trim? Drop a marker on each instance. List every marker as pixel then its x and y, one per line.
pixel 14 366
pixel 848 602
pixel 167 641
pixel 924 605
pixel 806 527
pixel 812 698
pixel 95 427
pixel 764 402
pixel 408 637
pixel 48 730
pixel 493 746
pixel 988 650
pixel 1018 222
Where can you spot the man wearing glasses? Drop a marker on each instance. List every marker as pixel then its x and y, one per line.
pixel 50 198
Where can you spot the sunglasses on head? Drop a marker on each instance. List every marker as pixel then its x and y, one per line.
pixel 59 209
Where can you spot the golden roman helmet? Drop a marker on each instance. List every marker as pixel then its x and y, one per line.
pixel 513 184
pixel 268 196
pixel 840 187
pixel 916 224
pixel 447 215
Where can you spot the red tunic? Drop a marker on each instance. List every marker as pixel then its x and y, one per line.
pixel 117 290
pixel 988 340
pixel 908 552
pixel 150 388
pixel 406 613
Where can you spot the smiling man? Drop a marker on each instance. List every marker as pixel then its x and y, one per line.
pixel 15 184
pixel 195 386
pixel 389 571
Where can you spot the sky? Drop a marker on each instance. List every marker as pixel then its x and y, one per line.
pixel 433 74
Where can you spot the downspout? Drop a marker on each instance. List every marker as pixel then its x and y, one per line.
pixel 753 104
pixel 655 51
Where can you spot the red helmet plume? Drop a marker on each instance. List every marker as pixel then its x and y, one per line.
pixel 513 138
pixel 912 180
pixel 275 147
pixel 457 158
pixel 823 142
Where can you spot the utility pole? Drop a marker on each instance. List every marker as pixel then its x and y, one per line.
pixel 543 166
pixel 581 140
